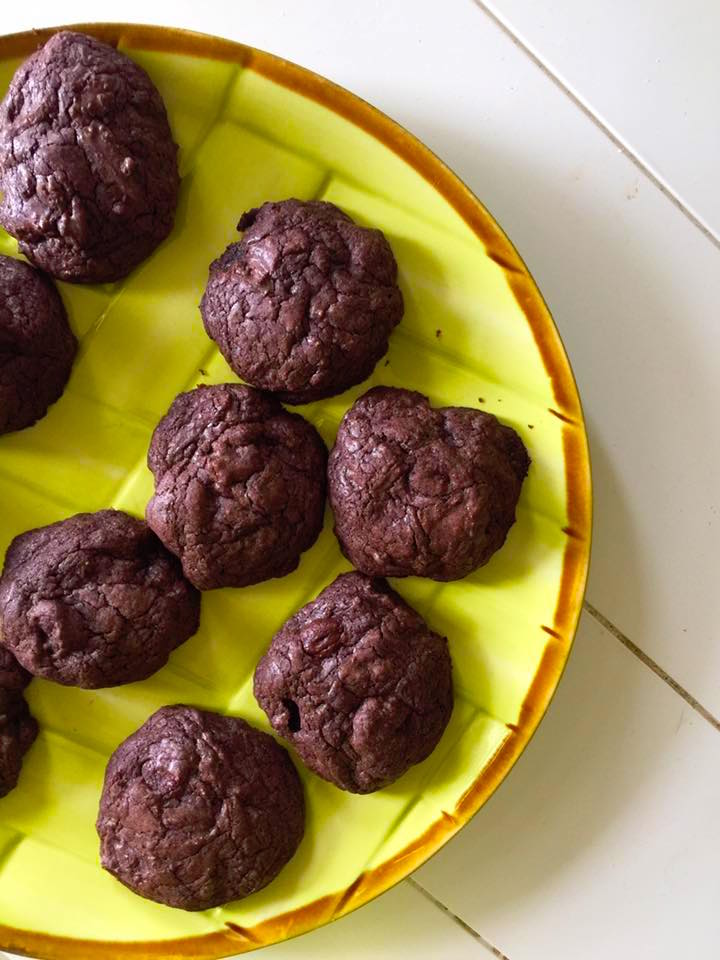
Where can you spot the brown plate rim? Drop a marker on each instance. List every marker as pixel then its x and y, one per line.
pixel 233 939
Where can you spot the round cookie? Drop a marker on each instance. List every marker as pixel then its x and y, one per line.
pixel 88 166
pixel 199 809
pixel 94 601
pixel 37 347
pixel 304 304
pixel 17 728
pixel 422 491
pixel 358 683
pixel 239 485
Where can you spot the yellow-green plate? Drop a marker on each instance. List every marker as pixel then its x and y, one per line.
pixel 252 127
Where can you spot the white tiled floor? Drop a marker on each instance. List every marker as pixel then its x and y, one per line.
pixel 599 844
pixel 602 841
pixel 646 69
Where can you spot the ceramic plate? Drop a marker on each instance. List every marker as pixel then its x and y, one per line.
pixel 476 332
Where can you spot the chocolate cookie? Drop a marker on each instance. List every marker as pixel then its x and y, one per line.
pixel 239 485
pixel 37 347
pixel 304 304
pixel 17 728
pixel 88 167
pixel 358 683
pixel 422 491
pixel 199 809
pixel 94 601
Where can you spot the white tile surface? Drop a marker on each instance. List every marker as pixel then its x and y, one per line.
pixel 601 841
pixel 649 69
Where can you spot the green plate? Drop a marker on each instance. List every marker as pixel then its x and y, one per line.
pixel 252 127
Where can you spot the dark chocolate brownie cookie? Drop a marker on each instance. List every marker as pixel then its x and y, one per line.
pixel 37 347
pixel 239 485
pixel 358 683
pixel 94 601
pixel 88 167
pixel 422 491
pixel 304 304
pixel 199 809
pixel 17 728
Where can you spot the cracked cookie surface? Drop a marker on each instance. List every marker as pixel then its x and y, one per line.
pixel 37 346
pixel 199 809
pixel 239 485
pixel 358 683
pixel 18 728
pixel 88 166
pixel 94 601
pixel 422 491
pixel 304 304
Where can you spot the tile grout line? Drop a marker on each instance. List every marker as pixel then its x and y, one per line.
pixel 637 162
pixel 456 919
pixel 655 667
